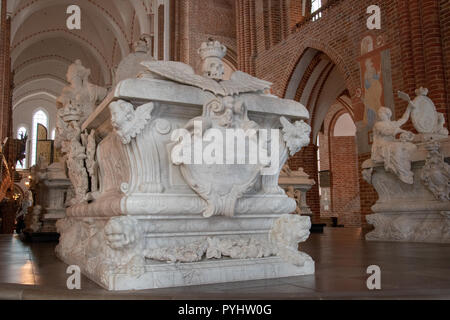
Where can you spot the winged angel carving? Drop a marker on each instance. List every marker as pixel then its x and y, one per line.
pixel 240 82
pixel 127 121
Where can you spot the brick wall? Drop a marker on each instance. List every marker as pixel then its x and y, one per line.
pixel 412 32
pixel 444 19
pixel 417 33
pixel 198 20
pixel 344 181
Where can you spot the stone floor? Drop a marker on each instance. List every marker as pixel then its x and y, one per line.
pixel 408 271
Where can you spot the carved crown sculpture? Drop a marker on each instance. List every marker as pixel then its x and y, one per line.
pixel 212 49
pixel 212 53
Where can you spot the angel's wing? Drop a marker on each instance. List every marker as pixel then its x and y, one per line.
pixel 144 112
pixel 243 82
pixel 182 73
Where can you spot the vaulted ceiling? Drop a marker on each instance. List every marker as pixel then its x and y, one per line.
pixel 42 47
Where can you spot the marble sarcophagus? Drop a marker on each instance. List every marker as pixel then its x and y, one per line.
pixel 145 216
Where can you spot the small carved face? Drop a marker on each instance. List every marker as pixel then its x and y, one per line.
pixel 121 113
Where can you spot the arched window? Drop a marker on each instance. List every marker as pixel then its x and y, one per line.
pixel 344 126
pixel 21 133
pixel 316 5
pixel 39 117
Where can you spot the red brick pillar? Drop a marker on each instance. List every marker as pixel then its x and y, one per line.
pixel 421 42
pixel 246 35
pixel 5 73
pixel 296 14
pixel 433 54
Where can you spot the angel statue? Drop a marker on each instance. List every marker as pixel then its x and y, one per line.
pixel 394 153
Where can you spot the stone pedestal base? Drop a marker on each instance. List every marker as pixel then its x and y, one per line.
pixel 410 226
pixel 417 212
pixel 163 275
pixel 126 253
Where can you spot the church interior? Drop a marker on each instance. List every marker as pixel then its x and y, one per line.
pixel 98 96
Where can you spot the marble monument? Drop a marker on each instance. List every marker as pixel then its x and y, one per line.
pixel 149 217
pixel 411 175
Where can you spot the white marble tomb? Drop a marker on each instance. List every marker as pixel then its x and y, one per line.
pixel 145 220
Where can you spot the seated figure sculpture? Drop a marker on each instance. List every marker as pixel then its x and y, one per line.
pixel 394 153
pixel 410 174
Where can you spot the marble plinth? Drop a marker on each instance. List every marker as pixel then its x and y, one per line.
pixel 51 193
pixel 164 275
pixel 417 212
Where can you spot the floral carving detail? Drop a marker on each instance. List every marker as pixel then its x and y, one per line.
pixel 283 241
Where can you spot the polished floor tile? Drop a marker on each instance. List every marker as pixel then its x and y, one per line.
pixel 408 270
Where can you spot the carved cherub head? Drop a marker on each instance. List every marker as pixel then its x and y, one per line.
pixel 121 113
